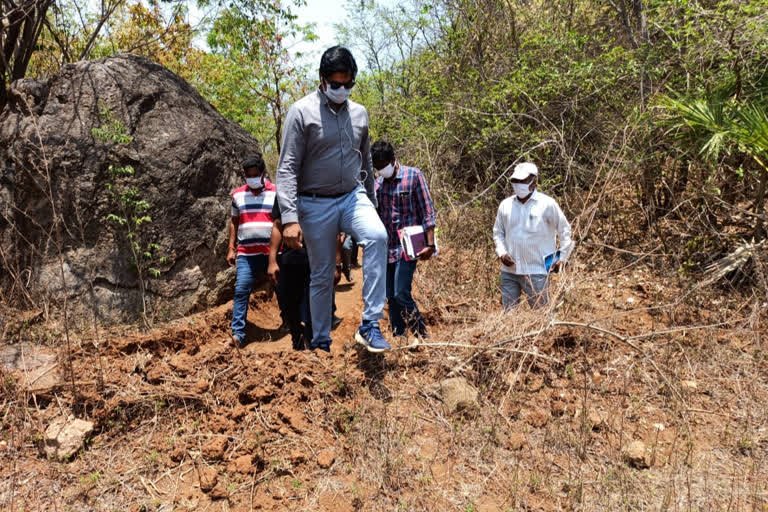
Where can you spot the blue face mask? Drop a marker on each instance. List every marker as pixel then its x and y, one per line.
pixel 255 184
pixel 337 96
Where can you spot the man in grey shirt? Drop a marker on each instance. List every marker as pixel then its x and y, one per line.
pixel 325 153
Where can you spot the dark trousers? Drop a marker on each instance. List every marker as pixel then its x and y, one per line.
pixel 349 252
pixel 293 299
pixel 403 312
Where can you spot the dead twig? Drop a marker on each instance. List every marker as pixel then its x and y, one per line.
pixel 239 354
pixel 61 387
pixel 478 347
pixel 496 346
pixel 626 341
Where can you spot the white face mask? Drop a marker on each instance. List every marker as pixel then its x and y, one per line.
pixel 255 184
pixel 522 190
pixel 387 172
pixel 339 95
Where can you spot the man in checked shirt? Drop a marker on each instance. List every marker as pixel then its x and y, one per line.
pixel 403 200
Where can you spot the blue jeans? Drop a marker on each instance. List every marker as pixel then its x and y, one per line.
pixel 403 311
pixel 535 286
pixel 321 219
pixel 249 268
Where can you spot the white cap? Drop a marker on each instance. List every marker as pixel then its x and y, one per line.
pixel 524 170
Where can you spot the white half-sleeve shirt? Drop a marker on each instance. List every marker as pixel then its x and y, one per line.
pixel 528 232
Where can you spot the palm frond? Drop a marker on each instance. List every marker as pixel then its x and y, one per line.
pixel 753 127
pixel 705 120
pixel 734 260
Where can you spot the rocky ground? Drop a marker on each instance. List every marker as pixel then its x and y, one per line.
pixel 634 393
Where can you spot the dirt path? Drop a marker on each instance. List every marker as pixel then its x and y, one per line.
pixel 263 327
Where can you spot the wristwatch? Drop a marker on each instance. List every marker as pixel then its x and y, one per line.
pixel 432 246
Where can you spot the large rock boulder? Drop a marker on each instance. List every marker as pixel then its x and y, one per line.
pixel 186 158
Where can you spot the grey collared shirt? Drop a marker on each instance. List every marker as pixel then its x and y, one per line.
pixel 323 152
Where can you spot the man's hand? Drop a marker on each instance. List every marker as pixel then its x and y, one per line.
pixel 557 267
pixel 425 253
pixel 292 235
pixel 274 272
pixel 232 256
pixel 507 260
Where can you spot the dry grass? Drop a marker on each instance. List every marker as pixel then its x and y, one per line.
pixel 559 405
pixel 704 457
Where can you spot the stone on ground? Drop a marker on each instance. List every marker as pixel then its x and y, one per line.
pixel 635 456
pixel 326 458
pixel 459 396
pixel 34 366
pixel 65 436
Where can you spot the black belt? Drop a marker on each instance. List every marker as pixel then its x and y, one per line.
pixel 325 196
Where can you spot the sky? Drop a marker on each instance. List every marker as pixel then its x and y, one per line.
pixel 325 14
pixel 322 13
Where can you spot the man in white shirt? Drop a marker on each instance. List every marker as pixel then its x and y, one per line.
pixel 524 233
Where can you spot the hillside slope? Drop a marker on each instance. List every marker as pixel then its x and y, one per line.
pixel 560 410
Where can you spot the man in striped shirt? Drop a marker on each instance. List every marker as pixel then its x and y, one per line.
pixel 525 232
pixel 403 201
pixel 249 234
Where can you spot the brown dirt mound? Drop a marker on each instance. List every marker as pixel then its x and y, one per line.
pixel 186 422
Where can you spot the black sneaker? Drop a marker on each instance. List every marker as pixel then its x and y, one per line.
pixel 323 345
pixel 299 343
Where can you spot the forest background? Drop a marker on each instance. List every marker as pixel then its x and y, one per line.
pixel 649 122
pixel 657 111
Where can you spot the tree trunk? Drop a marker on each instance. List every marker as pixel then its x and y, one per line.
pixel 20 30
pixel 648 193
pixel 759 232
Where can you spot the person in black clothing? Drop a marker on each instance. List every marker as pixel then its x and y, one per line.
pixel 290 272
pixel 348 255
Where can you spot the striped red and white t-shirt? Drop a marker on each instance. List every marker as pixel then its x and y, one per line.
pixel 253 212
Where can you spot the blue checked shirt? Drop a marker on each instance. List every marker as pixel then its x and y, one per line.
pixel 403 201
